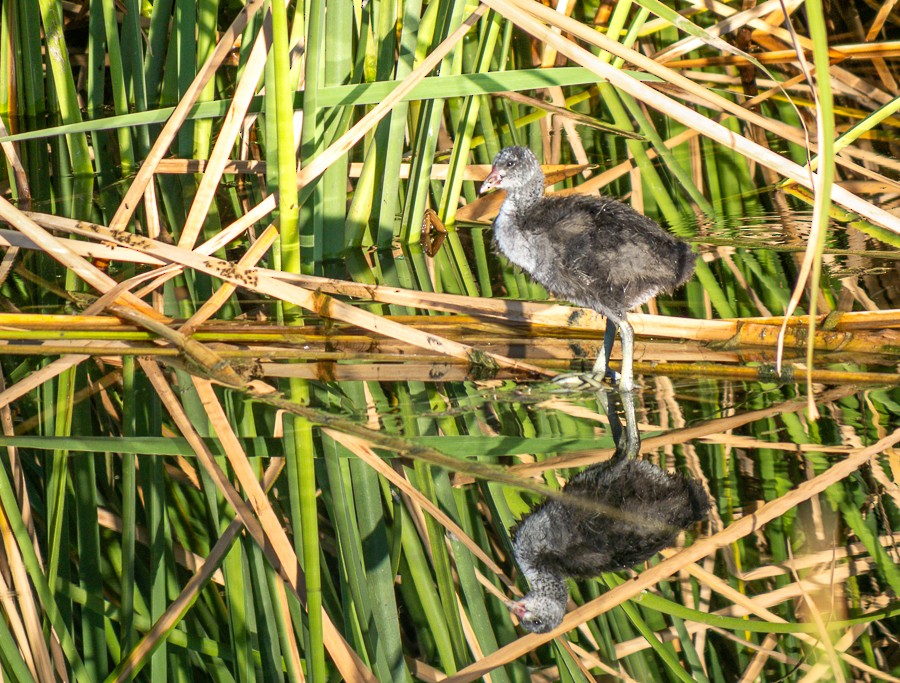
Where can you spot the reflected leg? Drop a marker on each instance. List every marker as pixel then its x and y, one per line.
pixel 628 444
pixel 632 435
pixel 615 424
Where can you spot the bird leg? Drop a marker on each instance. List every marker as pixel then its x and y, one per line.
pixel 601 365
pixel 626 335
pixel 594 378
pixel 625 379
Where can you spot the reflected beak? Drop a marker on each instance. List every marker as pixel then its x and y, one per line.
pixel 493 180
pixel 516 608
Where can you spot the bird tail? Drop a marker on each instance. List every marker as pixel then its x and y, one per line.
pixel 686 259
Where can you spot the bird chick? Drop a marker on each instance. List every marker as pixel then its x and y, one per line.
pixel 593 251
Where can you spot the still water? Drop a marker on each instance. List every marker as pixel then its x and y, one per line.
pixel 436 459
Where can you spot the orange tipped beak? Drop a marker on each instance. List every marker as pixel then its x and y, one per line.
pixel 493 180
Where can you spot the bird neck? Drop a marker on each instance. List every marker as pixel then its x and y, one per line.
pixel 529 193
pixel 547 584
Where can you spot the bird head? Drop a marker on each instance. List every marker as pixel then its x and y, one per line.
pixel 538 613
pixel 513 167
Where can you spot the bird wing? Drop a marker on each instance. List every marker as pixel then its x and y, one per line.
pixel 613 256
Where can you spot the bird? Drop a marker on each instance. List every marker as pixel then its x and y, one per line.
pixel 593 251
pixel 611 516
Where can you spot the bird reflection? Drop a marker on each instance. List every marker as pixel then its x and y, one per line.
pixel 618 513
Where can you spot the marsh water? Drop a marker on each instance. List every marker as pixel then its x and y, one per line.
pixel 715 410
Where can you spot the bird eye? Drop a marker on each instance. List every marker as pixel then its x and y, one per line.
pixel 510 163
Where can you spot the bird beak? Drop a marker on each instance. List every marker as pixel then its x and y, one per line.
pixel 516 608
pixel 493 180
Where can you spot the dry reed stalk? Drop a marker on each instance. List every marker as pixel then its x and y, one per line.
pixel 231 128
pixel 422 671
pixel 750 442
pixel 764 653
pixel 890 486
pixel 593 660
pixel 468 632
pixel 25 426
pixel 583 413
pixel 19 634
pixel 220 297
pixel 194 166
pixel 17 240
pixel 25 616
pixel 805 562
pixel 204 357
pixel 734 333
pixel 105 350
pixel 556 315
pixel 189 560
pixel 474 172
pixel 850 332
pixel 59 251
pixel 264 282
pixel 57 367
pixel 329 371
pixel 848 51
pixel 733 22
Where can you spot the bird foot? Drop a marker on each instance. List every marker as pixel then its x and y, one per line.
pixel 583 381
pixel 577 381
